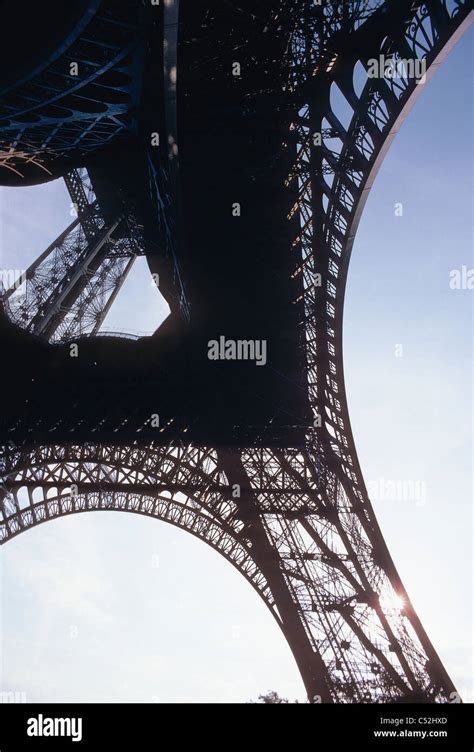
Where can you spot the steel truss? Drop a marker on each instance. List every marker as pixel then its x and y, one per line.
pixel 331 181
pixel 69 289
pixel 298 524
pixel 283 520
pixel 55 114
pixel 53 118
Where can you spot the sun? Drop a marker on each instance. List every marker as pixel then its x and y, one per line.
pixel 392 601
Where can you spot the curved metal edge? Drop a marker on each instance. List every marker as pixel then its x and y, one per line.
pixel 390 565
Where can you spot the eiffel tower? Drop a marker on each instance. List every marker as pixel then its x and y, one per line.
pixel 203 135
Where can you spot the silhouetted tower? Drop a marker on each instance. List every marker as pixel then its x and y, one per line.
pixel 243 187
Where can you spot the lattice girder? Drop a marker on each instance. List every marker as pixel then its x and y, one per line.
pixel 359 642
pixel 69 289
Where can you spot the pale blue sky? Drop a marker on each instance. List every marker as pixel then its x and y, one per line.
pixel 192 628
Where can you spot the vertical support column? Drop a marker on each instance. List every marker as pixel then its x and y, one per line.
pixel 311 666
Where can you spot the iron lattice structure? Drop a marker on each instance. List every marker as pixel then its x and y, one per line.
pixel 76 102
pixel 51 114
pixel 296 522
pixel 67 292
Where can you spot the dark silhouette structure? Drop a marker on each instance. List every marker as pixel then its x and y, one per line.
pixel 207 137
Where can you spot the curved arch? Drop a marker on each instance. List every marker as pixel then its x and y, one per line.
pixel 326 237
pixel 435 55
pixel 219 536
pixel 216 518
pixel 377 117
